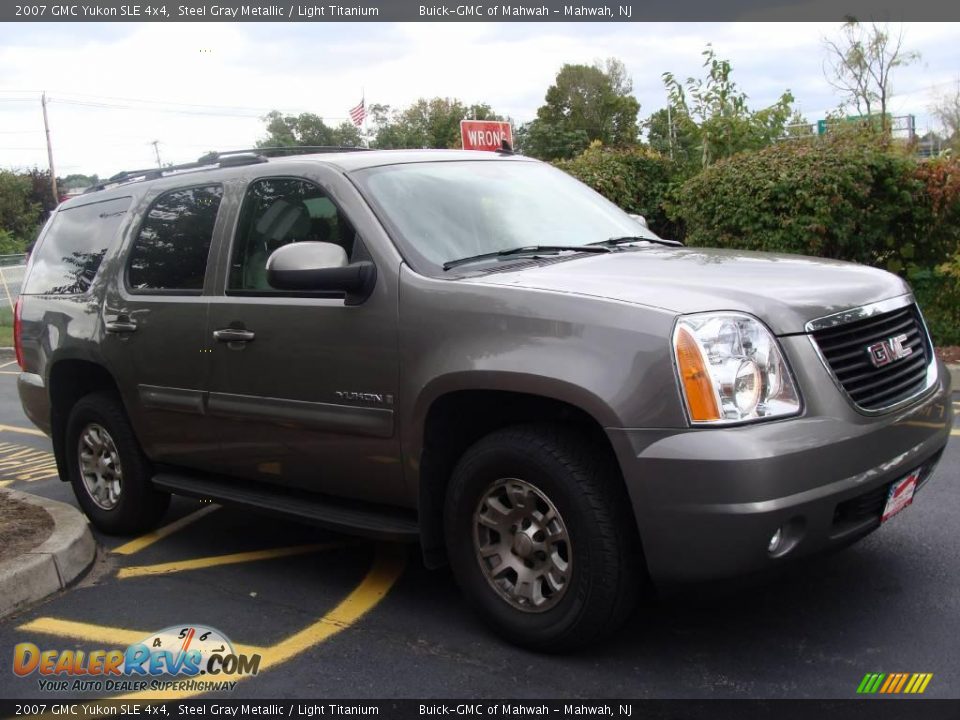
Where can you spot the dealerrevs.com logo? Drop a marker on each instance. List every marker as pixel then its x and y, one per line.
pixel 186 657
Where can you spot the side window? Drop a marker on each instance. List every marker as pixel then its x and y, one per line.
pixel 70 253
pixel 170 251
pixel 277 211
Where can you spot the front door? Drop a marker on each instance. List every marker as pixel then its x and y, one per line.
pixel 303 385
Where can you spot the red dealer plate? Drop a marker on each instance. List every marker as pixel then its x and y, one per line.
pixel 900 495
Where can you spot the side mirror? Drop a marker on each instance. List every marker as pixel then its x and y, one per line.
pixel 640 219
pixel 319 267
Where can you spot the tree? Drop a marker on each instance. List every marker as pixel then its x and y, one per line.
pixel 433 123
pixel 673 133
pixel 41 192
pixel 19 215
pixel 860 63
pixel 77 180
pixel 585 103
pixel 711 114
pixel 307 129
pixel 946 110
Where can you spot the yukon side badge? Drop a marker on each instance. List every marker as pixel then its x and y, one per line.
pixel 377 398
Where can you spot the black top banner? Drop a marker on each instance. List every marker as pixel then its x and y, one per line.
pixel 515 709
pixel 518 11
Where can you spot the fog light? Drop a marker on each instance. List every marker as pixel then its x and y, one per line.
pixel 774 543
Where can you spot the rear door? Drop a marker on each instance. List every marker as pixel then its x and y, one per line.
pixel 302 385
pixel 154 324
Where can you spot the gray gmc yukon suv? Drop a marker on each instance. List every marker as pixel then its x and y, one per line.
pixel 477 352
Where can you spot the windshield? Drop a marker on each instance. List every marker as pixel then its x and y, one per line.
pixel 445 211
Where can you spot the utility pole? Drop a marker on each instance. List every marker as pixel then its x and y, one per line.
pixel 53 172
pixel 156 150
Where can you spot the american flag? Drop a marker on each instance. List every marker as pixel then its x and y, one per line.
pixel 358 113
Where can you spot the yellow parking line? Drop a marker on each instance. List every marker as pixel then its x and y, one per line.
pixel 22 430
pixel 215 560
pixel 9 372
pixel 955 431
pixel 388 565
pixel 8 364
pixel 138 544
pixel 25 464
pixel 101 634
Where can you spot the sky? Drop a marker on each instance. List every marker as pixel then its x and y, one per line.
pixel 114 88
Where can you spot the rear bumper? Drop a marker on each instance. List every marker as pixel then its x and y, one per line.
pixel 35 399
pixel 707 501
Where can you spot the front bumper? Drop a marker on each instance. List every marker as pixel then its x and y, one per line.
pixel 707 501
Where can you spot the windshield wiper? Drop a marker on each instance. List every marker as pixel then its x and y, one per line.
pixel 526 250
pixel 626 239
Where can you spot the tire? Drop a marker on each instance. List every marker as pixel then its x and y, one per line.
pixel 123 504
pixel 553 484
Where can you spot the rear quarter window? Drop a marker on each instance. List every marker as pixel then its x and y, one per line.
pixel 73 247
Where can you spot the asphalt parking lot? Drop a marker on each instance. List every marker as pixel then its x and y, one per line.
pixel 338 617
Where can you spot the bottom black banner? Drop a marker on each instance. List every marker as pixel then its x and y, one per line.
pixel 865 709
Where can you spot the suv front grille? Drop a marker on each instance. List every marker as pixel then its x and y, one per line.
pixel 844 348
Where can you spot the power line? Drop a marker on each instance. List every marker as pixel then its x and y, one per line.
pixel 115 106
pixel 89 100
pixel 165 102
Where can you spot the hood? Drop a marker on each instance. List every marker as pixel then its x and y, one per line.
pixel 785 291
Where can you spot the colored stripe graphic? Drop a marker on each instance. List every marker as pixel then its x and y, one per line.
pixel 894 683
pixel 870 683
pixel 891 681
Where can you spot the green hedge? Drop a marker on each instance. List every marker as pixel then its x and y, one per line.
pixel 938 294
pixel 637 179
pixel 851 197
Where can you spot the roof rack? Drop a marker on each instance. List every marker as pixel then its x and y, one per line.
pixel 282 150
pixel 226 158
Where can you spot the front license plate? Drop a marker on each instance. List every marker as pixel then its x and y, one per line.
pixel 900 495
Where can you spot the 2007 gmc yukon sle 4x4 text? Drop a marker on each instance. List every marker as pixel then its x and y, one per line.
pixel 478 352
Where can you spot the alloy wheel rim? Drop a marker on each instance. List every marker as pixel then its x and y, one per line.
pixel 522 545
pixel 100 466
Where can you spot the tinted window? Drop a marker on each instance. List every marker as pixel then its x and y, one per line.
pixel 171 249
pixel 70 253
pixel 278 211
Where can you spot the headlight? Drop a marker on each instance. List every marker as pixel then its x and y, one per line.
pixel 731 369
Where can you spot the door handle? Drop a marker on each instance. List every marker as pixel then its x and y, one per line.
pixel 121 324
pixel 233 335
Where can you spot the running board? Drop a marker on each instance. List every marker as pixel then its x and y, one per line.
pixel 352 517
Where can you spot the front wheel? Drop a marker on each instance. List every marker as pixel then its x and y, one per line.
pixel 540 538
pixel 108 471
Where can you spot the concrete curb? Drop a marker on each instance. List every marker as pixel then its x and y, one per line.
pixel 954 376
pixel 51 566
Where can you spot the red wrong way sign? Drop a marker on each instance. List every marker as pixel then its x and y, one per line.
pixel 485 134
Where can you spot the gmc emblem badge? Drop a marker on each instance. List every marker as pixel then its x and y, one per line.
pixel 889 350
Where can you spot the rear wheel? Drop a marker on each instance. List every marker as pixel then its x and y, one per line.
pixel 108 471
pixel 540 538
